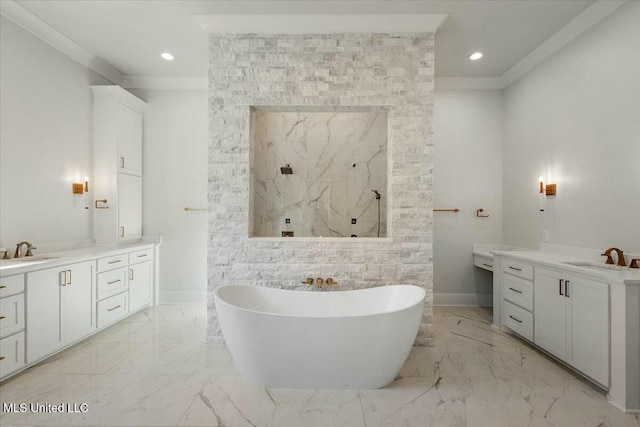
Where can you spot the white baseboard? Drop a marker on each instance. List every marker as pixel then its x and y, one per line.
pixel 478 300
pixel 172 297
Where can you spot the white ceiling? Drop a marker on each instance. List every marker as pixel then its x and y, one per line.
pixel 130 34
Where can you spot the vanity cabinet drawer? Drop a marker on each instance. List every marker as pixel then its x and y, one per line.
pixel 11 285
pixel 483 262
pixel 112 309
pixel 518 320
pixel 112 282
pixel 518 269
pixel 140 256
pixel 11 354
pixel 112 262
pixel 518 291
pixel 11 315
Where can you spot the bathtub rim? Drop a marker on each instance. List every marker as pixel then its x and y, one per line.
pixel 269 313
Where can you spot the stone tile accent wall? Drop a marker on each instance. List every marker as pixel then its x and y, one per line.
pixel 326 70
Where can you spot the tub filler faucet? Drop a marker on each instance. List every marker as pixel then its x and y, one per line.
pixel 319 282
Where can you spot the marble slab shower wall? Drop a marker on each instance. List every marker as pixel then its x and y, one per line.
pixel 321 72
pixel 338 158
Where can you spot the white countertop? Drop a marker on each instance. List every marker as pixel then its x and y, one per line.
pixel 487 249
pixel 10 267
pixel 625 275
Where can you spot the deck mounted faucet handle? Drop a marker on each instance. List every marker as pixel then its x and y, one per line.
pixel 308 281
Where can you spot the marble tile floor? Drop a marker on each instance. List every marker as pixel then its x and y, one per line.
pixel 154 369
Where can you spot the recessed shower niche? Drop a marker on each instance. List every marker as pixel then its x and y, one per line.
pixel 318 172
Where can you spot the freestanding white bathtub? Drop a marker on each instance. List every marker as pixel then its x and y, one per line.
pixel 296 339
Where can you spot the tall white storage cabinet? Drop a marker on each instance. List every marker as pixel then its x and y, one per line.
pixel 117 165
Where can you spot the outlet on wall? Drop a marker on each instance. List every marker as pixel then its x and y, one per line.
pixel 545 235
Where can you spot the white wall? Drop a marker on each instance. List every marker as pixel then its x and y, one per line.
pixel 467 176
pixel 45 141
pixel 576 119
pixel 174 177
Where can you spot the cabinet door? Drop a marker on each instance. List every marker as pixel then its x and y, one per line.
pixel 550 331
pixel 129 207
pixel 44 335
pixel 139 285
pixel 589 325
pixel 77 302
pixel 11 354
pixel 129 140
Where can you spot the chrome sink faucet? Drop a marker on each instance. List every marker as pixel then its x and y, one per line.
pixel 18 253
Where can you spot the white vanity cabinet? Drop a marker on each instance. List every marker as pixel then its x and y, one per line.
pixel 129 207
pixel 117 163
pixel 59 307
pixel 112 301
pixel 516 280
pixel 12 323
pixel 125 283
pixel 129 139
pixel 45 309
pixel 572 321
pixel 140 275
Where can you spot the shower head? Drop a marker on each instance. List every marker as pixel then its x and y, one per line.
pixel 286 170
pixel 377 194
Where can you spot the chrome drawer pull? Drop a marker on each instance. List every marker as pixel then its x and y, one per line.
pixel 2 317
pixel 519 321
pixel 487 265
pixel 516 269
pixel 117 306
pixel 115 262
pixel 113 281
pixel 560 287
pixel 2 286
pixel 141 256
pixel 2 358
pixel 515 290
pixel 566 288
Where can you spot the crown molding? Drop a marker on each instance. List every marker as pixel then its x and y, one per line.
pixel 55 38
pixel 577 26
pixel 294 24
pixel 165 83
pixel 473 83
pixel 320 24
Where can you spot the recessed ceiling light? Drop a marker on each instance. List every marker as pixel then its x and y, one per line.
pixel 475 56
pixel 167 56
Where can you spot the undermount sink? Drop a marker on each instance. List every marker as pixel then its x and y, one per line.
pixel 28 260
pixel 595 266
pixel 35 258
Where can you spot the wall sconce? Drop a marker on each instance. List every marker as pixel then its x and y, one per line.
pixel 547 190
pixel 79 188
